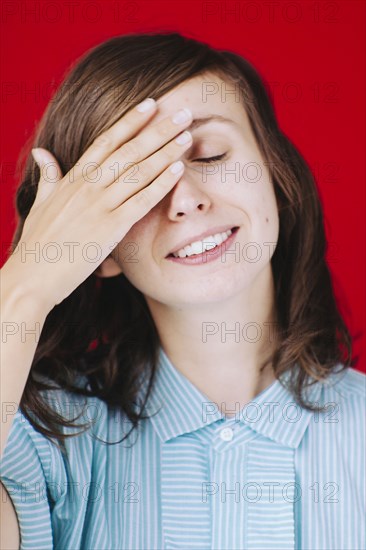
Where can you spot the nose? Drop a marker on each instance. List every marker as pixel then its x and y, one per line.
pixel 186 198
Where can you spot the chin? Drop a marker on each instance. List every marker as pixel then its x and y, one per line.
pixel 208 290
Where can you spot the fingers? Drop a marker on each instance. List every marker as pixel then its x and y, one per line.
pixel 107 142
pixel 143 174
pixel 130 211
pixel 148 141
pixel 50 173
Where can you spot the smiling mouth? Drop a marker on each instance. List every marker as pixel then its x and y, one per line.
pixel 233 230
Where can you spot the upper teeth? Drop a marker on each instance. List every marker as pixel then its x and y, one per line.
pixel 200 246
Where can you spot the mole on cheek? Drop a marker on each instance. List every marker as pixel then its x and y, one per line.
pixel 267 220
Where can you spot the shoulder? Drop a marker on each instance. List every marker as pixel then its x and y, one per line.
pixel 344 398
pixel 70 404
pixel 25 438
pixel 41 475
pixel 31 456
pixel 347 385
pixel 93 418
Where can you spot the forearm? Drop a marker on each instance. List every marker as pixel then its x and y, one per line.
pixel 22 319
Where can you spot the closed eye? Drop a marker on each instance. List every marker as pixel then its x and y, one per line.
pixel 211 159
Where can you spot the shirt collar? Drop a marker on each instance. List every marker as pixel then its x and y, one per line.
pixel 178 407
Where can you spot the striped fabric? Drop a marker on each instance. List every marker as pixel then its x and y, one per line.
pixel 274 476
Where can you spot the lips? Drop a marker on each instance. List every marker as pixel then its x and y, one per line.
pixel 201 236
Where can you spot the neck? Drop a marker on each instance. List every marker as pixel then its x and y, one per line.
pixel 222 346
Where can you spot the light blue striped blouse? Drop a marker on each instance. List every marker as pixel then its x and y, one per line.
pixel 274 476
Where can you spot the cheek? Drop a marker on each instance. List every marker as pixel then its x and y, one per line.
pixel 268 212
pixel 259 202
pixel 269 217
pixel 139 241
pixel 266 206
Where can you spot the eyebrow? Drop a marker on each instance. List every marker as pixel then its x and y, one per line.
pixel 199 121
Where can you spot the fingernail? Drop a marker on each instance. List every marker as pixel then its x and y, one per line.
pixel 183 138
pixel 37 155
pixel 177 167
pixel 182 116
pixel 146 105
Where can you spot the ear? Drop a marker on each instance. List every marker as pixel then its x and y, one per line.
pixel 108 268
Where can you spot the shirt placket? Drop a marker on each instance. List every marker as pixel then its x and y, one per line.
pixel 185 515
pixel 270 495
pixel 253 490
pixel 228 508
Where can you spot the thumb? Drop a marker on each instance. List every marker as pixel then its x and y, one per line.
pixel 50 173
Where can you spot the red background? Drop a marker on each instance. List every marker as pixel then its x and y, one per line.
pixel 312 53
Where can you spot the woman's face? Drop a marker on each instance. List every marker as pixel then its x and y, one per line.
pixel 233 192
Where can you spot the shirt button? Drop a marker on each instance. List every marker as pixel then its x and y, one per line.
pixel 227 434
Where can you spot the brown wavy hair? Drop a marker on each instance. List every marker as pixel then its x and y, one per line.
pixel 103 330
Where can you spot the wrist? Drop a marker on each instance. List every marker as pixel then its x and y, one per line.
pixel 18 288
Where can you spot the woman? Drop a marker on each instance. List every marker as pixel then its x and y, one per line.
pixel 192 386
